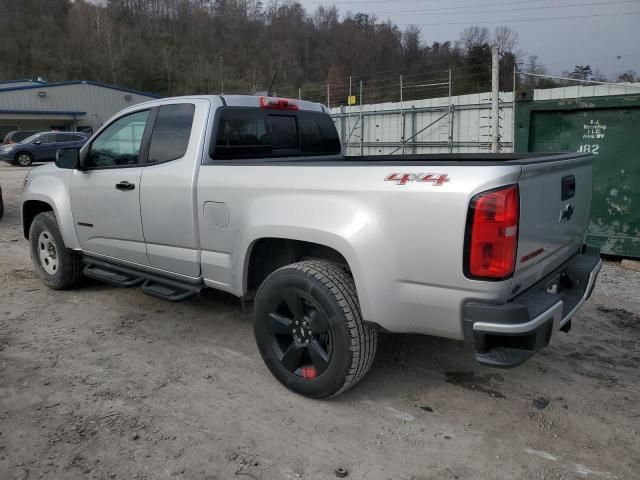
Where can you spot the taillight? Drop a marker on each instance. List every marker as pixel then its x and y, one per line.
pixel 278 103
pixel 492 234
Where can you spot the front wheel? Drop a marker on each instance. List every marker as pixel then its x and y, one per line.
pixel 24 159
pixel 310 331
pixel 59 267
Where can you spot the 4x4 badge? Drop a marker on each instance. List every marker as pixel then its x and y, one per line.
pixel 438 179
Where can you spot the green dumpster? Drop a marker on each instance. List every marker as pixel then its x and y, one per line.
pixel 609 128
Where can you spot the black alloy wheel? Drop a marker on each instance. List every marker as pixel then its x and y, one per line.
pixel 310 331
pixel 300 334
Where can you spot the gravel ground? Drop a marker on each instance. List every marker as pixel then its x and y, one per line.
pixel 103 382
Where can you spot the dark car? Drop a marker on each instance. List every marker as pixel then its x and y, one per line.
pixel 40 147
pixel 17 136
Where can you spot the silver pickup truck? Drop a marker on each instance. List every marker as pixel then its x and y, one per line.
pixel 252 196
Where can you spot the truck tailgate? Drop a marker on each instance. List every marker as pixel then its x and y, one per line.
pixel 555 204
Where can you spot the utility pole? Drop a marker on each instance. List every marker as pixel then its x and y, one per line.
pixel 328 97
pixel 495 100
pixel 402 115
pixel 513 109
pixel 349 117
pixel 450 116
pixel 361 123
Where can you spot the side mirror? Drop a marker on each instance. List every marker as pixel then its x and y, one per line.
pixel 37 142
pixel 68 158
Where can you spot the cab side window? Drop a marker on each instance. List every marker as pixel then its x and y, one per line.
pixel 67 137
pixel 171 132
pixel 119 144
pixel 47 138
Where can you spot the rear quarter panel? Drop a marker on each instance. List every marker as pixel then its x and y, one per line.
pixel 404 243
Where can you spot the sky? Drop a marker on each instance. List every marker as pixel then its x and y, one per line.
pixel 604 34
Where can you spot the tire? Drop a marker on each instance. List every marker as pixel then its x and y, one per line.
pixel 24 159
pixel 58 267
pixel 337 348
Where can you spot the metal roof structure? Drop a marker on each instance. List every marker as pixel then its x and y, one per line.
pixel 27 104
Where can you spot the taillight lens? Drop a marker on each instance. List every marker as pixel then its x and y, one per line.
pixel 492 234
pixel 278 103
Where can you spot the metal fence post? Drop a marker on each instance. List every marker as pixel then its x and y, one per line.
pixel 495 100
pixel 343 134
pixel 414 147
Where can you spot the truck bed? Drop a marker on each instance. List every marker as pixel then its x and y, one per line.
pixel 444 159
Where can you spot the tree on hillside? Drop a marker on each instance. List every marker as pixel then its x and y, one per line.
pixel 473 37
pixel 581 72
pixel 628 76
pixel 531 68
pixel 176 47
pixel 505 39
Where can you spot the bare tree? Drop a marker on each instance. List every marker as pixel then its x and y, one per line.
pixel 474 36
pixel 628 76
pixel 534 67
pixel 599 76
pixel 505 39
pixel 204 46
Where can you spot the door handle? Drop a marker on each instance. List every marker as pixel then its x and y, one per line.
pixel 124 185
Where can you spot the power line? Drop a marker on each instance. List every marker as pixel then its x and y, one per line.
pixel 349 2
pixel 444 11
pixel 416 69
pixel 610 84
pixel 546 19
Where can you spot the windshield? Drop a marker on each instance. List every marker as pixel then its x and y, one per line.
pixel 30 138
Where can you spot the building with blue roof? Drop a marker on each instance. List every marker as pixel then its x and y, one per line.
pixel 28 104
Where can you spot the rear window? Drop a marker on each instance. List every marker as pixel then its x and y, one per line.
pixel 251 133
pixel 19 135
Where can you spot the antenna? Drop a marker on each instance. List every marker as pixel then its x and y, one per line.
pixel 275 75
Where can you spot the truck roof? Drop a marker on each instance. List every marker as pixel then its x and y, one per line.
pixel 249 101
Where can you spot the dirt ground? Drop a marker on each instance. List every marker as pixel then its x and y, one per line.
pixel 108 383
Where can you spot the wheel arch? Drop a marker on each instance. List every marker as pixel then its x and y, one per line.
pixel 49 192
pixel 30 209
pixel 267 253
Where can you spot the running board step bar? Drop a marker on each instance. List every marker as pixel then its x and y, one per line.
pixel 154 285
pixel 172 293
pixel 112 277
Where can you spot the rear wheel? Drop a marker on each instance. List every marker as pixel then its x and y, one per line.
pixel 58 267
pixel 24 159
pixel 310 331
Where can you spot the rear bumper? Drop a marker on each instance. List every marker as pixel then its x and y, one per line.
pixel 508 334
